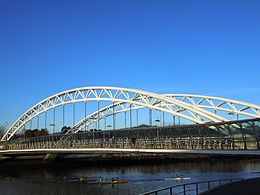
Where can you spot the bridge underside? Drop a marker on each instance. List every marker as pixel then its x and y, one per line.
pixel 110 154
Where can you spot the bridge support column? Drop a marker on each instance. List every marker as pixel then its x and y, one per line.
pixel 125 119
pixel 173 120
pixel 130 115
pixel 73 114
pixel 150 117
pixel 105 123
pixel 45 120
pixel 63 115
pixel 53 121
pixel 114 117
pixel 85 113
pixel 38 122
pixel 137 117
pixel 163 119
pixel 98 127
pixel 160 118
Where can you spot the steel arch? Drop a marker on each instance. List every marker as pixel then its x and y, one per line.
pixel 232 104
pixel 113 94
pixel 218 103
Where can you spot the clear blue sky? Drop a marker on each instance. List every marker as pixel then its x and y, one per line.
pixel 209 47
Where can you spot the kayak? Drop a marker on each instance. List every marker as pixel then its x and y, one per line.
pixel 96 181
pixel 178 178
pixel 107 182
pixel 79 180
pixel 87 180
pixel 114 182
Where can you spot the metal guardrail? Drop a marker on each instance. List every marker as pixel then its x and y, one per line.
pixel 212 143
pixel 192 188
pixel 233 135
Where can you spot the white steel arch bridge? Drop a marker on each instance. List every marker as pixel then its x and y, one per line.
pixel 197 109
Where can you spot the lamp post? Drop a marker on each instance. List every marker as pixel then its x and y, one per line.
pixel 157 121
pixel 157 132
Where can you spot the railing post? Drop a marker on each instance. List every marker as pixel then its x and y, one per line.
pixel 184 189
pixel 208 185
pixel 197 188
pixel 171 191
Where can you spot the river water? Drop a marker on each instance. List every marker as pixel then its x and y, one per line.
pixel 52 178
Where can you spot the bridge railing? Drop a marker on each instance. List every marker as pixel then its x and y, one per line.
pixel 212 143
pixel 233 135
pixel 192 188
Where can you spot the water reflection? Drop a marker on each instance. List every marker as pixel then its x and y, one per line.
pixel 46 179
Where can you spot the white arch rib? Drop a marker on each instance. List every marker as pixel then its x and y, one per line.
pixel 113 94
pixel 232 104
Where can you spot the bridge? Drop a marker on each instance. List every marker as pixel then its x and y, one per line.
pixel 121 121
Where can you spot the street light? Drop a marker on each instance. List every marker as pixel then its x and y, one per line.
pixel 157 121
pixel 157 132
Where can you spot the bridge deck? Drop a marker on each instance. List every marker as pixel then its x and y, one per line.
pixel 120 150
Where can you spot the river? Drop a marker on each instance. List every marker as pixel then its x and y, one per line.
pixel 52 178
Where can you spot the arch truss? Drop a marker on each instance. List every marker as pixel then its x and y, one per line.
pixel 212 104
pixel 190 107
